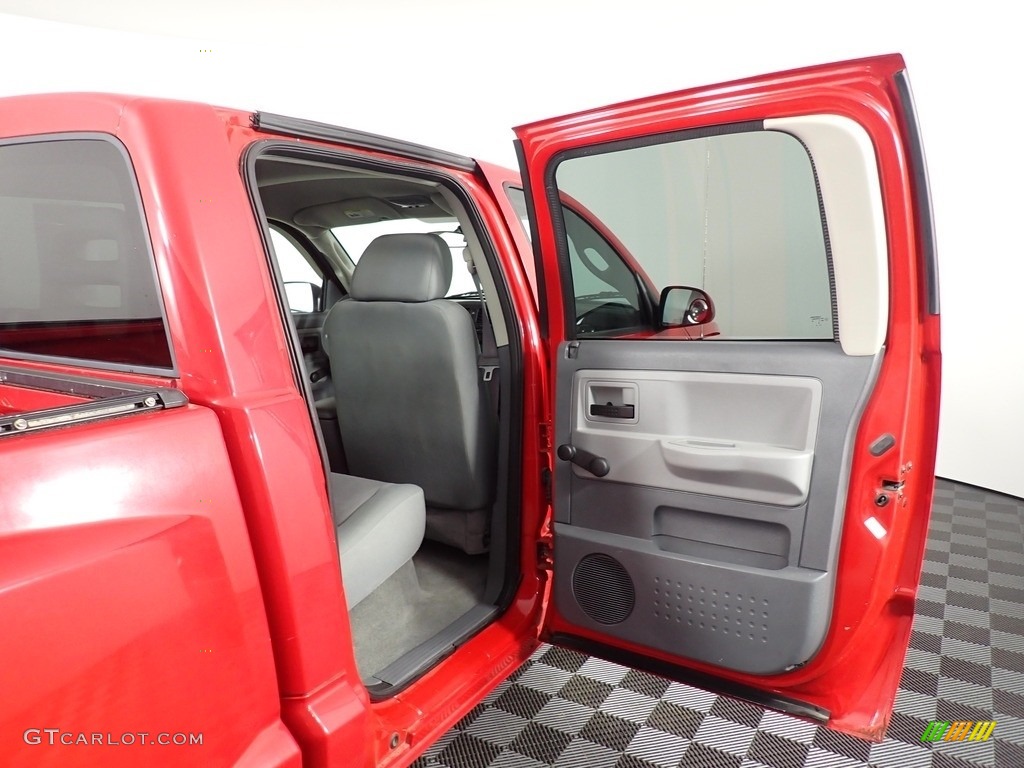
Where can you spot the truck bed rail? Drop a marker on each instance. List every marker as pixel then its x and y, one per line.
pixel 109 399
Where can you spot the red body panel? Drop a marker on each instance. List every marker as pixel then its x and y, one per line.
pixel 855 673
pixel 126 576
pixel 232 358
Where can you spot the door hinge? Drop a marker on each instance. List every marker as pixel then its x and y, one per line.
pixel 545 555
pixel 545 481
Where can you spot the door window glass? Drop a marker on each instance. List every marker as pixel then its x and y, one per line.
pixel 607 292
pixel 736 215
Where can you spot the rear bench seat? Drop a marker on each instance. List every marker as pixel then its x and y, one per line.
pixel 380 527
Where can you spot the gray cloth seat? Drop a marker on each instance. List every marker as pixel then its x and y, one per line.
pixel 380 527
pixel 411 408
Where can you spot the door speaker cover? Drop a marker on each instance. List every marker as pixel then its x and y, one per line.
pixel 603 589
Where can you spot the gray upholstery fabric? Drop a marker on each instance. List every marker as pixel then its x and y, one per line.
pixel 403 267
pixel 469 530
pixel 410 404
pixel 380 527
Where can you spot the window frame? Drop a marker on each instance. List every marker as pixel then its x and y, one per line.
pixel 171 371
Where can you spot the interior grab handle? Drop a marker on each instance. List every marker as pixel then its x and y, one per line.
pixel 595 465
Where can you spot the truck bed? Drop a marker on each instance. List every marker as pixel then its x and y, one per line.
pixel 126 574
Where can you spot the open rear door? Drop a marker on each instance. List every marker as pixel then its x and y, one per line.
pixel 744 498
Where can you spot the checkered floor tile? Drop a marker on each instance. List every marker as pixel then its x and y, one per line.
pixel 563 709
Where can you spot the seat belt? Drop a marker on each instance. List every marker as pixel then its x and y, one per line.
pixel 487 358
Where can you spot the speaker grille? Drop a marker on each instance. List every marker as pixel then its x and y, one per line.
pixel 603 589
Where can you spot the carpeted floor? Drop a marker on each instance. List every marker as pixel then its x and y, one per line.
pixel 564 709
pixel 415 604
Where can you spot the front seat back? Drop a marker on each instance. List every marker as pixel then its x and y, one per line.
pixel 410 404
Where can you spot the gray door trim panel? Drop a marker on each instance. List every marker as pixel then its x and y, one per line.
pixel 728 616
pixel 785 555
pixel 736 435
pixel 594 499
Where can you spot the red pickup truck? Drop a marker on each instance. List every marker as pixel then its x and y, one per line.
pixel 309 437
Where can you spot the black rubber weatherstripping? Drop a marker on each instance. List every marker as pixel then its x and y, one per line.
pixel 921 191
pixel 310 129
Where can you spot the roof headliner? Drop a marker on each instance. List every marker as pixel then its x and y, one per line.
pixel 289 186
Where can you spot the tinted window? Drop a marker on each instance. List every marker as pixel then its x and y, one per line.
pixel 605 290
pixel 78 279
pixel 736 215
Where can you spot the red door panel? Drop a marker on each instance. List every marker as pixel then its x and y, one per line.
pixel 764 516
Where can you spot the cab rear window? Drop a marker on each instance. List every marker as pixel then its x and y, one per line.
pixel 78 275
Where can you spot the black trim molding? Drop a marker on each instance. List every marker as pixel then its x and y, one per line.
pixel 268 122
pixel 921 190
pixel 697 679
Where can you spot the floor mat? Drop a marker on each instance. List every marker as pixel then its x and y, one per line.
pixel 416 603
pixel 965 663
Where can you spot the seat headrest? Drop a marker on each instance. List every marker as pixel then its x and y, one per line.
pixel 404 267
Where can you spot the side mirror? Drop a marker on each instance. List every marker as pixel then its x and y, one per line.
pixel 302 297
pixel 681 305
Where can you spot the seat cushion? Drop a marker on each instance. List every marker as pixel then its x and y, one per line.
pixel 380 527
